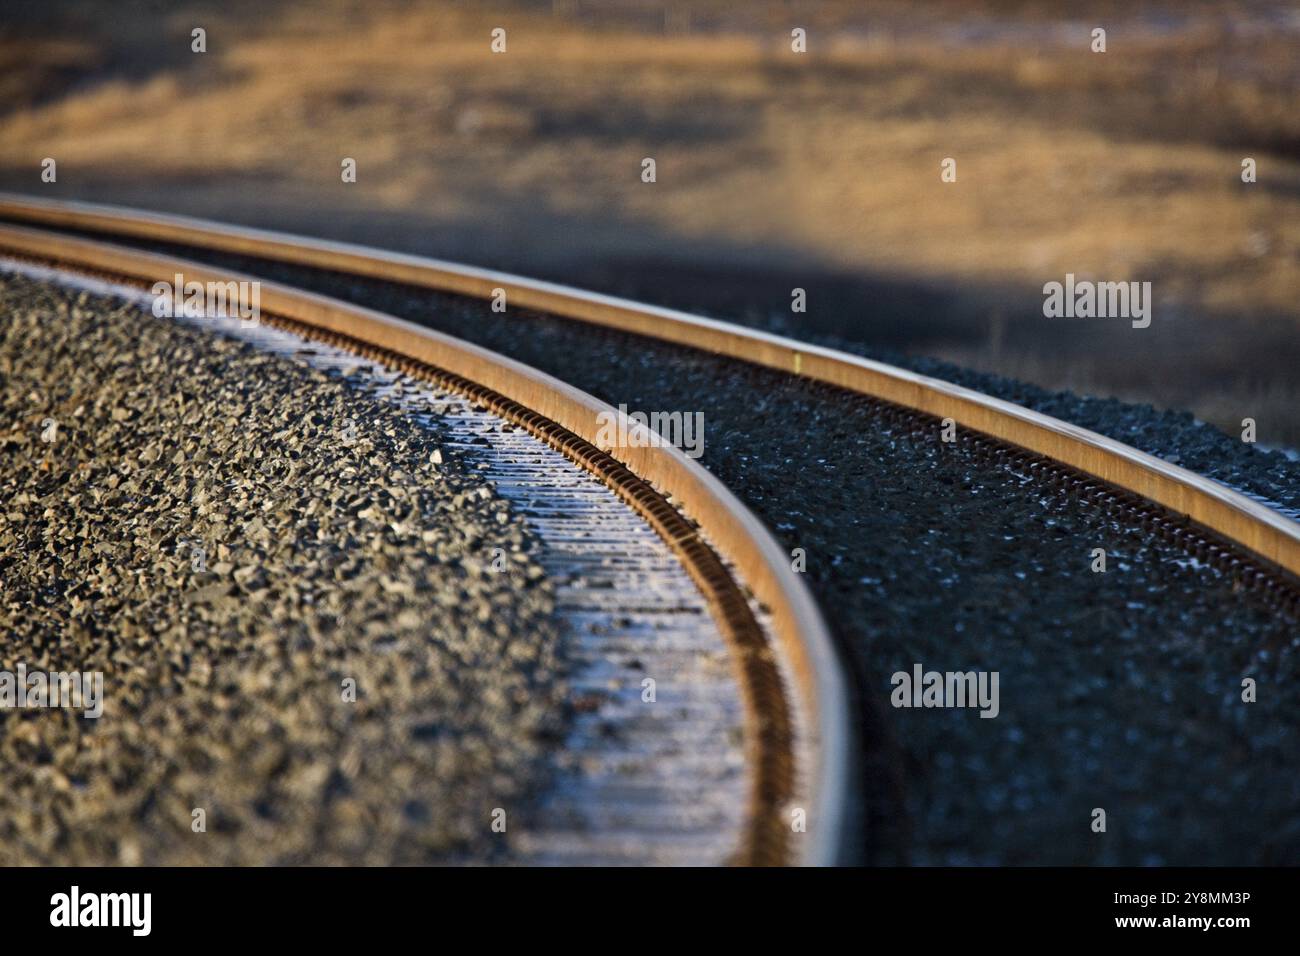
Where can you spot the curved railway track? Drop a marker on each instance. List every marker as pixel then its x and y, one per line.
pixel 1253 526
pixel 1256 545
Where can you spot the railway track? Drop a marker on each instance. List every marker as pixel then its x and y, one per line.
pixel 1255 549
pixel 1254 526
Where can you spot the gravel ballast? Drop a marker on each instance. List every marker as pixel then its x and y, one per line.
pixel 232 538
pixel 1120 691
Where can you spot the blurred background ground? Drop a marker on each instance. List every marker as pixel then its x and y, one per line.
pixel 775 170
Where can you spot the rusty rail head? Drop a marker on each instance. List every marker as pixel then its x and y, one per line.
pixel 1230 514
pixel 802 640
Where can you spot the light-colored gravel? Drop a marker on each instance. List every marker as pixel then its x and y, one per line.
pixel 334 548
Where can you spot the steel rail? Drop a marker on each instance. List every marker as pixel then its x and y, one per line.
pixel 1263 532
pixel 571 421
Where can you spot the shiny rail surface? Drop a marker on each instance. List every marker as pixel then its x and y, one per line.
pixel 1268 535
pixel 818 765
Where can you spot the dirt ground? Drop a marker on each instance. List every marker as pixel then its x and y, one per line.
pixel 774 169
